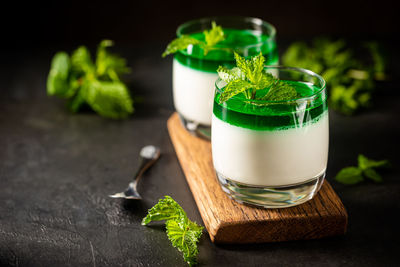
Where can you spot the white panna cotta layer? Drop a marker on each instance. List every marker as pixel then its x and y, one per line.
pixel 193 93
pixel 270 158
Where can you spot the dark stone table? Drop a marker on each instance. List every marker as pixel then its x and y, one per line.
pixel 57 168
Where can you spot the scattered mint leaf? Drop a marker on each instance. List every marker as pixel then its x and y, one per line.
pixel 373 175
pixel 212 37
pixel 185 238
pixel 350 175
pixel 165 209
pixel 366 163
pixel 182 232
pixel 366 168
pixel 350 79
pixel 82 81
pixel 249 76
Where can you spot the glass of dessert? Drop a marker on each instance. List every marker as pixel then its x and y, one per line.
pixel 270 136
pixel 201 46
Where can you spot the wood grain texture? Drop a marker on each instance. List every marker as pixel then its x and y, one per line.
pixel 227 221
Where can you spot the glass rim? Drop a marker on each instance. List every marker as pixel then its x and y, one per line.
pixel 253 20
pixel 281 67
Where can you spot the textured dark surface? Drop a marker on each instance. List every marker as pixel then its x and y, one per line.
pixel 57 168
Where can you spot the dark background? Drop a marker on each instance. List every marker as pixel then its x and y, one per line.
pixel 84 22
pixel 57 168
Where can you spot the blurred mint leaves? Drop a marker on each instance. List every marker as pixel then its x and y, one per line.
pixel 96 83
pixel 366 170
pixel 350 79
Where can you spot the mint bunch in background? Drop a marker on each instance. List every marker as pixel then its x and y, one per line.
pixel 182 232
pixel 366 170
pixel 350 79
pixel 249 76
pixel 94 83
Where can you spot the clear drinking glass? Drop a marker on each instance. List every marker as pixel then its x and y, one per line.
pixel 272 153
pixel 194 73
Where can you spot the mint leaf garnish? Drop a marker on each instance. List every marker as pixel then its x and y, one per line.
pixel 212 37
pixel 366 169
pixel 96 84
pixel 182 232
pixel 180 43
pixel 249 76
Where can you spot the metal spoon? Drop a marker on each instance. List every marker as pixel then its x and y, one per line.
pixel 148 156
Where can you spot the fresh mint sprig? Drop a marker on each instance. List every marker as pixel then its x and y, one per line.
pixel 350 80
pixel 249 76
pixel 212 37
pixel 366 169
pixel 182 232
pixel 97 84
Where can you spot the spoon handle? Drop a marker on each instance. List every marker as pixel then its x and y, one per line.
pixel 145 163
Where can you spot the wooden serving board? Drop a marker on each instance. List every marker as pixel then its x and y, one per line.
pixel 227 221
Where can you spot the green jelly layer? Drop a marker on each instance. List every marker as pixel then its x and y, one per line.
pixel 235 39
pixel 271 117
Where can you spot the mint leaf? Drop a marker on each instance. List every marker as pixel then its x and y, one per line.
pixel 57 80
pixel 79 99
pixel 215 35
pixel 212 37
pixel 180 43
pixel 81 61
pixel 365 163
pixel 165 209
pixel 249 76
pixel 182 232
pixel 185 237
pixel 279 91
pixel 233 88
pixel 373 175
pixel 353 175
pixel 82 81
pixel 109 66
pixel 229 75
pixel 350 175
pixel 109 99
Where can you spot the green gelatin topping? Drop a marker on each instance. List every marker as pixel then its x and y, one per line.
pixel 271 116
pixel 250 41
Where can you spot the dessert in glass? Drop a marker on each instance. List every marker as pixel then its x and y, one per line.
pixel 272 153
pixel 194 70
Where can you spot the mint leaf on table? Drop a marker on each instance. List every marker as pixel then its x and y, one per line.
pixel 96 84
pixel 366 163
pixel 249 76
pixel 350 175
pixel 182 232
pixel 366 169
pixel 212 37
pixel 57 81
pixel 350 79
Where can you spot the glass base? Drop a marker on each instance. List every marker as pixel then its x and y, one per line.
pixel 271 197
pixel 195 128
